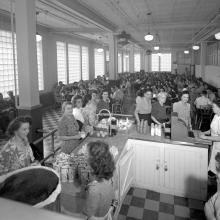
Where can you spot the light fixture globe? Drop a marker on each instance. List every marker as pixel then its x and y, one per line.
pixel 149 37
pixel 159 54
pixel 195 47
pixel 38 37
pixel 217 36
pixel 186 51
pixel 100 50
pixel 156 48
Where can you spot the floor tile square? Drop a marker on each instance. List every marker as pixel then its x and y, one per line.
pixel 196 204
pixel 150 215
pixel 197 214
pixel 124 210
pixel 127 200
pixel 180 201
pixel 131 190
pixel 166 208
pixel 167 198
pixel 165 216
pixel 153 195
pixel 181 211
pixel 181 218
pixel 138 202
pixel 135 212
pixel 140 193
pixel 151 205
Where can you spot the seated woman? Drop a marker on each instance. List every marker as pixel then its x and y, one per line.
pixel 100 192
pixel 183 109
pixel 89 111
pixel 68 129
pixel 159 113
pixel 104 103
pixel 77 111
pixel 143 106
pixel 17 152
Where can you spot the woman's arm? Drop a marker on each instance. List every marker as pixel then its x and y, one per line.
pixel 136 115
pixel 155 120
pixel 210 138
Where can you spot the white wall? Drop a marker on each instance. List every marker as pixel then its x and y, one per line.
pixel 212 75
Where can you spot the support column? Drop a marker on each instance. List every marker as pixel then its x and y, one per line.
pixel 29 102
pixel 203 59
pixel 131 60
pixel 173 62
pixel 142 54
pixel 113 57
pixel 91 63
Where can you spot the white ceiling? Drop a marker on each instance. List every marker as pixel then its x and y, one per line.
pixel 175 21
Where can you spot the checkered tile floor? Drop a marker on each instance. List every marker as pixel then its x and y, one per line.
pixel 148 205
pixel 50 122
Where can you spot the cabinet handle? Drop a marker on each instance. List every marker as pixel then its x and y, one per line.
pixel 165 168
pixel 158 165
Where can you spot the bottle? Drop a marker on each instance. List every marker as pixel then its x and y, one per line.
pixel 156 129
pixel 152 129
pixel 159 130
pixel 145 127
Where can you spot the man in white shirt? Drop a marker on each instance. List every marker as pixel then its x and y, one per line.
pixel 202 101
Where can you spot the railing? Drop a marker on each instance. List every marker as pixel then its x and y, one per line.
pixel 52 134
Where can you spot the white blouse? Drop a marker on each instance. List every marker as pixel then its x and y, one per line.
pixel 215 126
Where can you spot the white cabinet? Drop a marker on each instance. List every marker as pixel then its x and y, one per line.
pixel 147 164
pixel 185 171
pixel 174 169
pixel 126 171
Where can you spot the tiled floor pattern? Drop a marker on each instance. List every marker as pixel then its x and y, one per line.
pixel 148 205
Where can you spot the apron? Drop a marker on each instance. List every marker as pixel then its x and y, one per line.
pixel 215 131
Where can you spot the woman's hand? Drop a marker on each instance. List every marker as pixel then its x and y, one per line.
pixel 35 163
pixel 202 135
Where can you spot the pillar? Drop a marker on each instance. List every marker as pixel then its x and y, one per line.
pixel 29 102
pixel 113 57
pixel 131 60
pixel 142 54
pixel 91 63
pixel 173 62
pixel 148 63
pixel 203 59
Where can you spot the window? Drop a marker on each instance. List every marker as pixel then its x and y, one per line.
pixel 7 82
pixel 85 63
pixel 165 62
pixel 126 62
pixel 40 65
pixel 99 63
pixel 107 55
pixel 212 54
pixel 137 62
pixel 119 62
pixel 74 63
pixel 154 62
pixel 61 62
pixel 161 63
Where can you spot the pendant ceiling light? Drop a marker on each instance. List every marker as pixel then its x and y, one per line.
pixel 156 48
pixel 149 36
pixel 100 50
pixel 195 47
pixel 186 51
pixel 217 36
pixel 159 54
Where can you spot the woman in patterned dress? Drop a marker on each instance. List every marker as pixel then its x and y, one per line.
pixel 68 129
pixel 17 152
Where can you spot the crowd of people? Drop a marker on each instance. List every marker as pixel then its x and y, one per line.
pixel 155 96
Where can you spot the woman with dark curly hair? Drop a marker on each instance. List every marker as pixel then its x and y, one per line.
pixel 17 152
pixel 100 193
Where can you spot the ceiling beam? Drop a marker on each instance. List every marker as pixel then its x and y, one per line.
pixel 83 12
pixel 83 30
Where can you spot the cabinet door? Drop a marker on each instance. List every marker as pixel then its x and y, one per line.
pixel 185 171
pixel 126 174
pixel 147 164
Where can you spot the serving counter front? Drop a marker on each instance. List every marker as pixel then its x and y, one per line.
pixel 158 164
